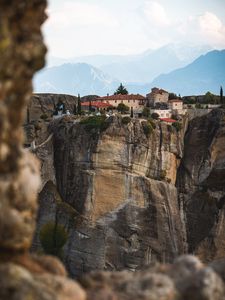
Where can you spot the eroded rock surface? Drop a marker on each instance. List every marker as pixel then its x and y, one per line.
pixel 119 186
pixel 201 184
pixel 44 105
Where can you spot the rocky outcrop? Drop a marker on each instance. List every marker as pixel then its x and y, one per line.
pixel 120 184
pixel 43 105
pixel 201 185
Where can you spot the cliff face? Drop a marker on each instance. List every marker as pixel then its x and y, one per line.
pixel 201 183
pixel 127 199
pixel 44 104
pixel 120 185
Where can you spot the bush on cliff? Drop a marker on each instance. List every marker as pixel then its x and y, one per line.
pixel 126 120
pixel 95 122
pixel 146 112
pixel 177 125
pixel 123 108
pixel 53 237
pixel 147 128
pixel 152 122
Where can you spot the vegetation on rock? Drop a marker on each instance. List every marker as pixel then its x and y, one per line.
pixel 126 120
pixel 95 122
pixel 177 125
pixel 53 237
pixel 146 112
pixel 123 108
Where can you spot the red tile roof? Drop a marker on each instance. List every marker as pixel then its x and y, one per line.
pixel 175 100
pixel 96 104
pixel 122 97
pixel 168 120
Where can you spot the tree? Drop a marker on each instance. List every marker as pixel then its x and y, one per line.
pixel 79 105
pixel 146 112
pixel 132 112
pixel 221 95
pixel 90 107
pixel 155 116
pixel 123 108
pixel 75 109
pixel 172 96
pixel 209 98
pixel 121 90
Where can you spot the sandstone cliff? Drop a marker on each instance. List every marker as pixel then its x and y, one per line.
pixel 201 185
pixel 119 184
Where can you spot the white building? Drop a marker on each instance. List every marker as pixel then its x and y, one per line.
pixel 176 104
pixel 163 113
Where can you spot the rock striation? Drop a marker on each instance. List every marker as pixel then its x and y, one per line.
pixel 119 185
pixel 201 185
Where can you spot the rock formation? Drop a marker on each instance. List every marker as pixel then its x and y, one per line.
pixel 120 207
pixel 119 185
pixel 22 51
pixel 43 105
pixel 201 185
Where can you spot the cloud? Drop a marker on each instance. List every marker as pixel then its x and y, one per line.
pixel 72 14
pixel 206 28
pixel 212 28
pixel 156 13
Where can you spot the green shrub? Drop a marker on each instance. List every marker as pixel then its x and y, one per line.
pixel 198 105
pixel 177 125
pixel 123 108
pixel 53 237
pixel 44 117
pixel 151 121
pixel 95 122
pixel 155 116
pixel 126 120
pixel 146 112
pixel 147 128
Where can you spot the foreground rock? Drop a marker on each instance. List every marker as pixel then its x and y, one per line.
pixel 186 279
pixel 22 51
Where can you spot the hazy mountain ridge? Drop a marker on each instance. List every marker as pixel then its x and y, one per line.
pixel 143 67
pixel 73 79
pixel 206 73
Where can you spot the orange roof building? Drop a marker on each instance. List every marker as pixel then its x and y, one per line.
pixel 136 101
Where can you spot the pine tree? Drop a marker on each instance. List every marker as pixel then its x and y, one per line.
pixel 75 109
pixel 121 90
pixel 90 107
pixel 78 105
pixel 221 95
pixel 131 112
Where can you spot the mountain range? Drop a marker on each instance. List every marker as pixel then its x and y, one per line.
pixel 73 79
pixel 205 73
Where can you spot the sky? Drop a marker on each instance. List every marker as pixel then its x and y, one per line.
pixel 87 27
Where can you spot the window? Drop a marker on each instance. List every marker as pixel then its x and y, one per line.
pixel 115 101
pixel 133 100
